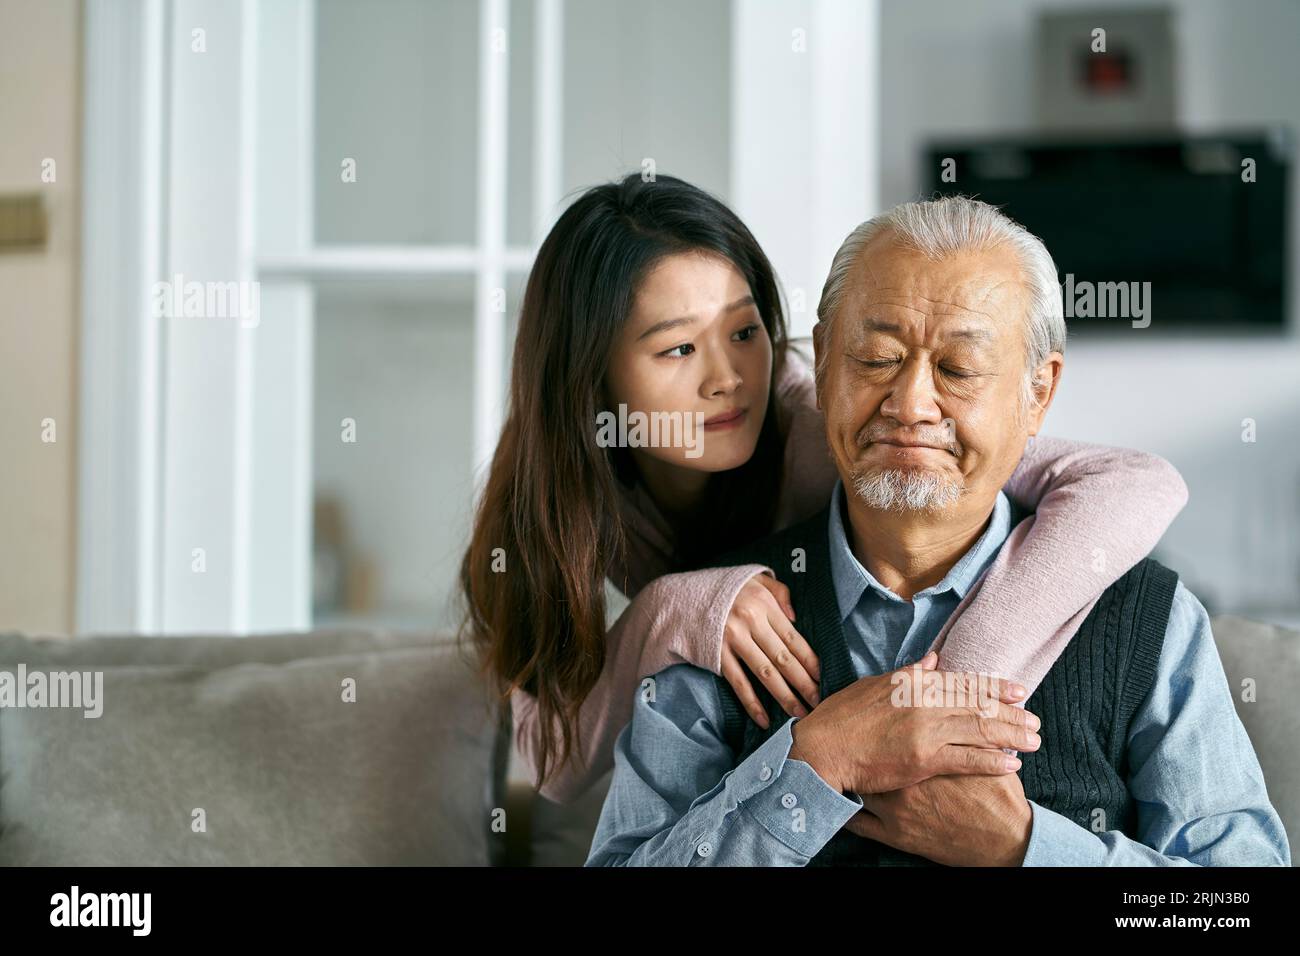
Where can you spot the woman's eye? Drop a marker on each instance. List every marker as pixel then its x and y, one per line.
pixel 676 348
pixel 880 363
pixel 954 373
pixel 747 332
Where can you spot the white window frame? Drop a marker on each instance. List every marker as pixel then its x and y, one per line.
pixel 194 435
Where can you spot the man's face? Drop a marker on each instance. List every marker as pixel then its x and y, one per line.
pixel 924 375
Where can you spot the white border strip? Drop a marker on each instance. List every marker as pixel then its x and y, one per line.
pixel 123 168
pixel 245 341
pixel 490 279
pixel 363 261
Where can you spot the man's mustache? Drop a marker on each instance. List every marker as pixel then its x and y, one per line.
pixel 943 436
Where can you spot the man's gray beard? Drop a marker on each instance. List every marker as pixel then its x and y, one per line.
pixel 906 489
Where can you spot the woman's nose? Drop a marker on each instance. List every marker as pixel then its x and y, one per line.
pixel 722 378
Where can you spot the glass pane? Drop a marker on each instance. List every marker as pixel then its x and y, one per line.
pixel 647 80
pixel 516 282
pixel 392 447
pixel 396 93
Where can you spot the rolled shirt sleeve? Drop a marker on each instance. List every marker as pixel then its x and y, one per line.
pixel 677 798
pixel 1200 793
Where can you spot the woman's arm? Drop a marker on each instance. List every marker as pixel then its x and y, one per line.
pixel 675 618
pixel 1099 512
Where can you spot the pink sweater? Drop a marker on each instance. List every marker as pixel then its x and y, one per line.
pixel 1098 512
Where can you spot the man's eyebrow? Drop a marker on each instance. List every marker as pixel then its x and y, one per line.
pixel 666 324
pixel 978 334
pixel 880 325
pixel 975 333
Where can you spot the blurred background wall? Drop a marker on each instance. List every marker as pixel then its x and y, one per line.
pixel 948 68
pixel 217 488
pixel 40 120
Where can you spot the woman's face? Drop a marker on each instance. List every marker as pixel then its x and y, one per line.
pixel 695 344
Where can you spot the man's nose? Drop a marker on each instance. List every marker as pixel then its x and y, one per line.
pixel 912 397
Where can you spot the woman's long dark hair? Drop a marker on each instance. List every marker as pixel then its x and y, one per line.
pixel 535 609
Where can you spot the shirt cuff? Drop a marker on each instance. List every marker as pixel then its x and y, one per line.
pixel 787 796
pixel 1056 840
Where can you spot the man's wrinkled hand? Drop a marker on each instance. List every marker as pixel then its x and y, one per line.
pixel 953 820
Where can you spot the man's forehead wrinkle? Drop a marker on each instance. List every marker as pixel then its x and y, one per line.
pixel 901 290
pixel 939 308
pixel 995 289
pixel 884 295
pixel 866 261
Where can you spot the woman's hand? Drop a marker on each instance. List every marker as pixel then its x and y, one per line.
pixel 759 633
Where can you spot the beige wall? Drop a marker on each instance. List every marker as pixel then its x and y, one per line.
pixel 40 107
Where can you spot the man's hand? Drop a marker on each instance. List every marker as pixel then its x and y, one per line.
pixel 862 739
pixel 956 821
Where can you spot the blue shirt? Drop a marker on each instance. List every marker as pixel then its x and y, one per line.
pixel 678 798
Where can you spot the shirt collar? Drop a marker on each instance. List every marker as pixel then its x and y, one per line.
pixel 852 579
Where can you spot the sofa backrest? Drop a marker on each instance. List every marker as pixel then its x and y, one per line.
pixel 314 748
pixel 1262 665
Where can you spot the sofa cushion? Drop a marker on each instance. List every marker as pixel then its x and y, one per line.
pixel 1268 655
pixel 284 771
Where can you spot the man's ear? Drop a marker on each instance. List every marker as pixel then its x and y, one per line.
pixel 819 349
pixel 1046 378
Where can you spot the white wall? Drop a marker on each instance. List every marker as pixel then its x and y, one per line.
pixel 40 46
pixel 952 67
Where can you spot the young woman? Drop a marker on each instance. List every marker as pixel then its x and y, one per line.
pixel 654 296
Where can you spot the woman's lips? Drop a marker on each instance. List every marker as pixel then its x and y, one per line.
pixel 723 422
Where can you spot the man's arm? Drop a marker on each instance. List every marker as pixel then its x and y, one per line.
pixel 1192 770
pixel 678 799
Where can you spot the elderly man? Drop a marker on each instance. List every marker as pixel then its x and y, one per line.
pixel 938 351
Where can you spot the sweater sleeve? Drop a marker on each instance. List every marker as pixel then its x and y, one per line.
pixel 1099 512
pixel 662 626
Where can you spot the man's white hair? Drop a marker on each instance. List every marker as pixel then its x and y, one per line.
pixel 942 227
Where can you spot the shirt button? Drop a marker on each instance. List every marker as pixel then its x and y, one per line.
pixel 704 849
pixel 789 800
pixel 765 774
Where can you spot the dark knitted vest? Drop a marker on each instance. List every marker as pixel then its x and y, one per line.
pixel 1085 702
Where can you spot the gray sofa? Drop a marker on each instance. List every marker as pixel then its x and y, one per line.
pixel 354 748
